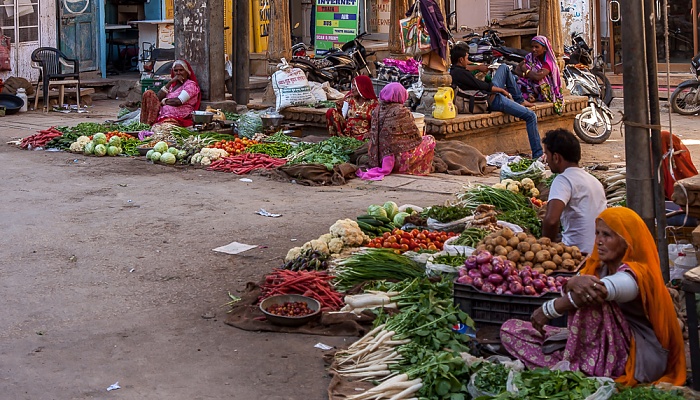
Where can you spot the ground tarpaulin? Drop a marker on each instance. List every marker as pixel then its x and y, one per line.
pixel 246 315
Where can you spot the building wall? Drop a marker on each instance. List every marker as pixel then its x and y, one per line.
pixel 576 16
pixel 20 54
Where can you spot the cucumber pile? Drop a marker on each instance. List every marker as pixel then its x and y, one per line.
pixel 375 225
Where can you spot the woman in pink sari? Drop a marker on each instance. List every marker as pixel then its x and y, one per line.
pixel 540 78
pixel 175 101
pixel 395 144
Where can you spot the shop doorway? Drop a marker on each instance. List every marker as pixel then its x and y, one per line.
pixel 78 24
pixel 683 40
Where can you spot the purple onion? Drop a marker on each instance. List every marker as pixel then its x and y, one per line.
pixel 478 282
pixel 483 257
pixel 527 281
pixel 496 279
pixel 516 287
pixel 488 287
pixel 470 262
pixel 508 271
pixel 500 290
pixel 474 273
pixel 485 269
pixel 529 291
pixel 538 284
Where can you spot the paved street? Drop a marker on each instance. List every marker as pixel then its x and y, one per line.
pixel 108 273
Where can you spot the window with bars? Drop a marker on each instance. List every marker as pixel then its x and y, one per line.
pixel 19 20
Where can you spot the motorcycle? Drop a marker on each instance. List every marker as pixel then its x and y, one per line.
pixel 685 100
pixel 594 123
pixel 580 54
pixel 337 66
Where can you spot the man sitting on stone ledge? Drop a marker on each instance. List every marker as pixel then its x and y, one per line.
pixel 505 93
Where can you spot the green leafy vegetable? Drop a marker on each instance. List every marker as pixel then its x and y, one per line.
pixel 134 126
pixel 470 237
pixel 277 150
pixel 375 264
pixel 491 378
pixel 446 213
pixel 542 383
pixel 646 393
pixel 502 199
pixel 329 152
pixel 525 218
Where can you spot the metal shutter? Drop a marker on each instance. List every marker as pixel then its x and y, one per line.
pixel 499 8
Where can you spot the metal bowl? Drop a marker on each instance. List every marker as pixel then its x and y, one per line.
pixel 271 121
pixel 290 321
pixel 202 117
pixel 11 102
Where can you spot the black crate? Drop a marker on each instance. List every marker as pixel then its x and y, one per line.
pixel 489 309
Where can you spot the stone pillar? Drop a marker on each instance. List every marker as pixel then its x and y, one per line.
pixel 433 79
pixel 199 39
pixel 550 26
pixel 306 6
pixel 279 42
pixel 398 12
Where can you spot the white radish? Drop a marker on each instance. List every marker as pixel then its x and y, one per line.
pixel 370 374
pixel 407 391
pixel 375 367
pixel 367 336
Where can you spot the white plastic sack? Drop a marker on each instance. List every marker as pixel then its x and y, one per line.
pixel 331 92
pixel 317 91
pixel 501 159
pixel 535 171
pixel 454 226
pixel 291 87
pixel 405 207
pixel 604 392
pixel 454 250
pixel 433 268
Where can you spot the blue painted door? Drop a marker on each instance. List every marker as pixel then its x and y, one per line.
pixel 78 32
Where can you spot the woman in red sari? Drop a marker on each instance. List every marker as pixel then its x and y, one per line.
pixel 354 118
pixel 175 101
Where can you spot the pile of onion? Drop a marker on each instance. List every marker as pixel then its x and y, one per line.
pixel 495 274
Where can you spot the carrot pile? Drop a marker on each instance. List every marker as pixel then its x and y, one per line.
pixel 40 139
pixel 314 284
pixel 245 163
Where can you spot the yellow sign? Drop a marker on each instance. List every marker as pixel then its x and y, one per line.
pixel 332 24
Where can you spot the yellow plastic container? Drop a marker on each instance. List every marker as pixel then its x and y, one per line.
pixel 444 103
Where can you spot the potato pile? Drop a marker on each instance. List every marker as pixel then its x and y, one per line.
pixel 523 249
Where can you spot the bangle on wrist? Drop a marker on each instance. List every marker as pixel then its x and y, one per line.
pixel 571 299
pixel 164 89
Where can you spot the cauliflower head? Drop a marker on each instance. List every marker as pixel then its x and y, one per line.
pixel 513 187
pixel 348 231
pixel 320 246
pixel 326 237
pixel 528 183
pixel 500 186
pixel 76 147
pixel 292 254
pixel 335 245
pixel 534 192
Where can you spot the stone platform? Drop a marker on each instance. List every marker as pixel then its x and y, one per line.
pixel 489 133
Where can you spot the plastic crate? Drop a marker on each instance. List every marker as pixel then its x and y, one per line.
pixel 152 84
pixel 379 85
pixel 489 309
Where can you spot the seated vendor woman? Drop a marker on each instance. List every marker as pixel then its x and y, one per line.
pixel 540 78
pixel 395 144
pixel 353 120
pixel 621 320
pixel 175 101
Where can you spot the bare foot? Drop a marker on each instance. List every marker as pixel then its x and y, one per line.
pixel 526 103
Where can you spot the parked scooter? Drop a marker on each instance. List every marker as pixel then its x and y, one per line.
pixel 580 53
pixel 685 100
pixel 594 123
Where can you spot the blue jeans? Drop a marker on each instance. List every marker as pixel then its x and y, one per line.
pixel 504 79
pixel 508 106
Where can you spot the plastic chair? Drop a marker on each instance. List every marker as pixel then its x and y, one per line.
pixel 51 63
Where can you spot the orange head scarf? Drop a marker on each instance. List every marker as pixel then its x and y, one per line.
pixel 641 256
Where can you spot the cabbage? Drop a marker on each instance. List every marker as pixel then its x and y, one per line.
pixel 113 150
pixel 148 155
pixel 99 138
pixel 155 156
pixel 161 147
pixel 115 141
pixel 100 150
pixel 119 150
pixel 400 217
pixel 391 209
pixel 167 158
pixel 376 211
pixel 181 154
pixel 173 150
pixel 89 148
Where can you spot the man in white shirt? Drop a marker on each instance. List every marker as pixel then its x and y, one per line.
pixel 576 197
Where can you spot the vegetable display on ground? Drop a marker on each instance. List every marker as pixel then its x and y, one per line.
pixel 314 284
pixel 375 264
pixel 330 152
pixel 290 309
pixel 470 237
pixel 245 163
pixel 40 139
pixel 402 241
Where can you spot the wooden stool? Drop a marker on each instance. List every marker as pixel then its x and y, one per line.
pixel 61 93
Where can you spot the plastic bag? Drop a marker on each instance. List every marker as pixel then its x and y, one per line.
pixel 501 159
pixel 453 226
pixel 405 207
pixel 331 92
pixel 432 268
pixel 535 171
pixel 604 392
pixel 249 124
pixel 291 87
pixel 454 250
pixel 317 91
pixel 419 258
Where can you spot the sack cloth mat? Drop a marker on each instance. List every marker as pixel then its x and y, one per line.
pixel 246 315
pixel 458 158
pixel 311 174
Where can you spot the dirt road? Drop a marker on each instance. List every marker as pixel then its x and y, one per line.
pixel 108 274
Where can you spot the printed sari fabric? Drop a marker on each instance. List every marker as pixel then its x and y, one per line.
pixel 153 112
pixel 597 344
pixel 549 88
pixel 358 121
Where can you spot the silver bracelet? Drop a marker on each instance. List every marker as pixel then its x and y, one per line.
pixel 571 299
pixel 545 311
pixel 553 310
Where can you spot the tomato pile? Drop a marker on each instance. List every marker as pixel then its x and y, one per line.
pixel 116 133
pixel 537 202
pixel 233 147
pixel 290 309
pixel 411 240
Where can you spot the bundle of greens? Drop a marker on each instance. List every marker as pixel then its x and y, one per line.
pixel 502 199
pixel 373 265
pixel 446 213
pixel 646 393
pixel 542 383
pixel 526 218
pixel 277 150
pixel 470 237
pixel 330 152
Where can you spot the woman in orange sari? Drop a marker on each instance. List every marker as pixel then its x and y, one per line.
pixel 622 323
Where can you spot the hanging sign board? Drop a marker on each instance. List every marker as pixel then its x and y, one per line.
pixel 336 23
